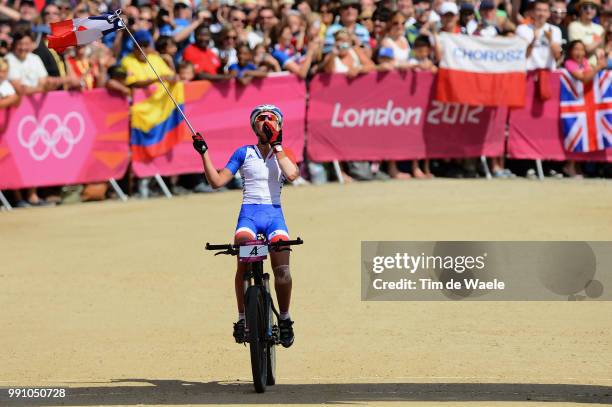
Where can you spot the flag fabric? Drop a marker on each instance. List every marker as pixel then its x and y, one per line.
pixel 586 112
pixel 482 71
pixel 81 31
pixel 156 122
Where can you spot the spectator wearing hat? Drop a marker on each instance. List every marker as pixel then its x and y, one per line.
pixel 349 12
pixel 467 19
pixel 487 26
pixel 449 18
pixel 139 74
pixel 584 29
pixel 385 59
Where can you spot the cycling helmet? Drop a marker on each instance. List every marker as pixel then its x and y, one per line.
pixel 266 108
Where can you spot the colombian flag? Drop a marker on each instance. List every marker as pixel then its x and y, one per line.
pixel 156 123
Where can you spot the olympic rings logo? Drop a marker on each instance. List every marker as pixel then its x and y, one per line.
pixel 51 140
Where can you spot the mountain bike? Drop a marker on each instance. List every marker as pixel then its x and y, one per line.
pixel 261 331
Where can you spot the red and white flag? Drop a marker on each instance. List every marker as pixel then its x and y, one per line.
pixel 81 31
pixel 482 71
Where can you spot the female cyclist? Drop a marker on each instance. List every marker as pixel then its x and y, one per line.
pixel 263 168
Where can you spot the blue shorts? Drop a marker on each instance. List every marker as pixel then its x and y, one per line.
pixel 262 218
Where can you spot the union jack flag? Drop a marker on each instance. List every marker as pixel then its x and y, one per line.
pixel 586 112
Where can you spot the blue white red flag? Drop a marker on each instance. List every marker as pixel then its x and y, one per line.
pixel 81 31
pixel 586 112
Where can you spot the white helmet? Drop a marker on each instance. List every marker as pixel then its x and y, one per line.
pixel 266 108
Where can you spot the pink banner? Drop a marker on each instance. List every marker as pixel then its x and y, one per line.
pixel 221 112
pixel 392 116
pixel 535 130
pixel 63 138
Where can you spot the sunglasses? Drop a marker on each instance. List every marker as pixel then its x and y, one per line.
pixel 266 117
pixel 588 7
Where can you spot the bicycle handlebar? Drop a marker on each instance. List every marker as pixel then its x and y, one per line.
pixel 232 247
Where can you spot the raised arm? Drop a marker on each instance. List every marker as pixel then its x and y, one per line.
pixel 215 178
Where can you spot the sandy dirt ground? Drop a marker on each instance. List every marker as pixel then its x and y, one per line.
pixel 119 303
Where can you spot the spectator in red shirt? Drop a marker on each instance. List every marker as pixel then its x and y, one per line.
pixel 206 62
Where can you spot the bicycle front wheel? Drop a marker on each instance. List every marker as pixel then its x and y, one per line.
pixel 256 323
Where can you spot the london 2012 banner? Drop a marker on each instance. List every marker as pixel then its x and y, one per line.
pixel 392 116
pixel 60 138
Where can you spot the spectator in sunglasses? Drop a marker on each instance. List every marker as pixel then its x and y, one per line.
pixel 238 21
pixel 327 12
pixel 396 40
pixel 558 18
pixel 226 48
pixel 590 33
pixel 266 21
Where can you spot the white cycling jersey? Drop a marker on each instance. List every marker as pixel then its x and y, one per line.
pixel 262 178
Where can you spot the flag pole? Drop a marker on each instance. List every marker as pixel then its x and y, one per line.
pixel 193 132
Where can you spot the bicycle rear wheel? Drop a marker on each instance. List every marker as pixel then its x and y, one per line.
pixel 256 323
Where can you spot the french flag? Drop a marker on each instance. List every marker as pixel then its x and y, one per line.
pixel 482 71
pixel 81 31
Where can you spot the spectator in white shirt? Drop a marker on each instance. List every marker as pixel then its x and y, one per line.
pixel 27 72
pixel 543 39
pixel 28 76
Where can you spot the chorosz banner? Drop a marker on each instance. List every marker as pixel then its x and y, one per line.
pixel 482 71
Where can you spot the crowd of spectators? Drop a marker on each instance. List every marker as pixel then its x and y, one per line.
pixel 240 40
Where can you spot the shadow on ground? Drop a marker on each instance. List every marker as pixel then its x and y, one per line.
pixel 164 392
